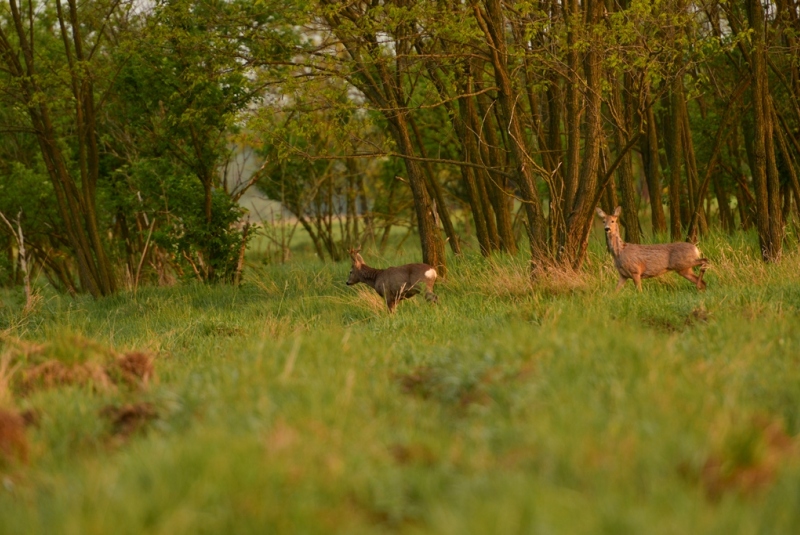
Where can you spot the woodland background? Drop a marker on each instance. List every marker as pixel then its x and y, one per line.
pixel 530 399
pixel 131 129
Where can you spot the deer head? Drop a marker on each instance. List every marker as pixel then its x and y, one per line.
pixel 355 268
pixel 610 221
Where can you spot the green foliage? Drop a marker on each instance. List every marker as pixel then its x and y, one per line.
pixel 162 190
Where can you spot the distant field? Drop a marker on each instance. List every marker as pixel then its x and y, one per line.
pixel 294 404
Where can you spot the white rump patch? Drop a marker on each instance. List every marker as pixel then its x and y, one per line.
pixel 430 274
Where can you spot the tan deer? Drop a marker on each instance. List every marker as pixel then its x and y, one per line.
pixel 639 262
pixel 394 283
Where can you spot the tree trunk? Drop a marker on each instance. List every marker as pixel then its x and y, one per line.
pixel 497 187
pixel 76 205
pixel 438 195
pixel 574 21
pixel 765 175
pixel 675 156
pixel 652 169
pixel 493 26
pixel 432 245
pixel 580 218
pixel 464 132
pixel 624 116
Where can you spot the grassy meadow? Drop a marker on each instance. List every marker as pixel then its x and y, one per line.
pixel 294 404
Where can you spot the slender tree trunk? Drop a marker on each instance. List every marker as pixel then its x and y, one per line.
pixel 463 129
pixel 723 204
pixel 351 221
pixel 432 245
pixel 765 175
pixel 789 157
pixel 675 156
pixel 652 169
pixel 580 218
pixel 76 205
pixel 493 26
pixel 624 118
pixel 574 21
pixel 363 205
pixel 490 153
pixel 438 194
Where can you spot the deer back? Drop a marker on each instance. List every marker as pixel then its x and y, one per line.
pixel 654 260
pixel 402 278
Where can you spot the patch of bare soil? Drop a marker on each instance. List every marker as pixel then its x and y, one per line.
pixel 412 453
pixel 74 360
pixel 134 369
pixel 432 383
pixel 13 441
pixel 698 315
pixel 668 325
pixel 129 418
pixel 747 462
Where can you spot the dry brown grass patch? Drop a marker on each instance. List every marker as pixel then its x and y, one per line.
pixel 6 374
pixel 518 280
pixel 506 281
pixel 560 280
pixel 369 300
pixel 70 360
pixel 54 373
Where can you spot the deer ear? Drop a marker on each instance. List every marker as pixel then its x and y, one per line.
pixel 600 212
pixel 617 211
pixel 358 259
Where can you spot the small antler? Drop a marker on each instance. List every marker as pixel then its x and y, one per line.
pixel 354 254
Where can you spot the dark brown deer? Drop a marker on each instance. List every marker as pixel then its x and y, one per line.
pixel 639 262
pixel 394 283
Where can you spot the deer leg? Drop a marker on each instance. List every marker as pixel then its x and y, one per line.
pixel 429 295
pixel 637 279
pixel 620 283
pixel 411 293
pixel 391 302
pixel 701 284
pixel 689 275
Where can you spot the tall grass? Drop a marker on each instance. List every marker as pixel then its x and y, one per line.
pixel 294 404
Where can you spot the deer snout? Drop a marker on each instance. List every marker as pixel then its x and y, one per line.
pixel 608 229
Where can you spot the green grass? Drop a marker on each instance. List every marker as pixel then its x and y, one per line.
pixel 294 404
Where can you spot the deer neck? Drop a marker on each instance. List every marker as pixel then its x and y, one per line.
pixel 614 243
pixel 369 275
